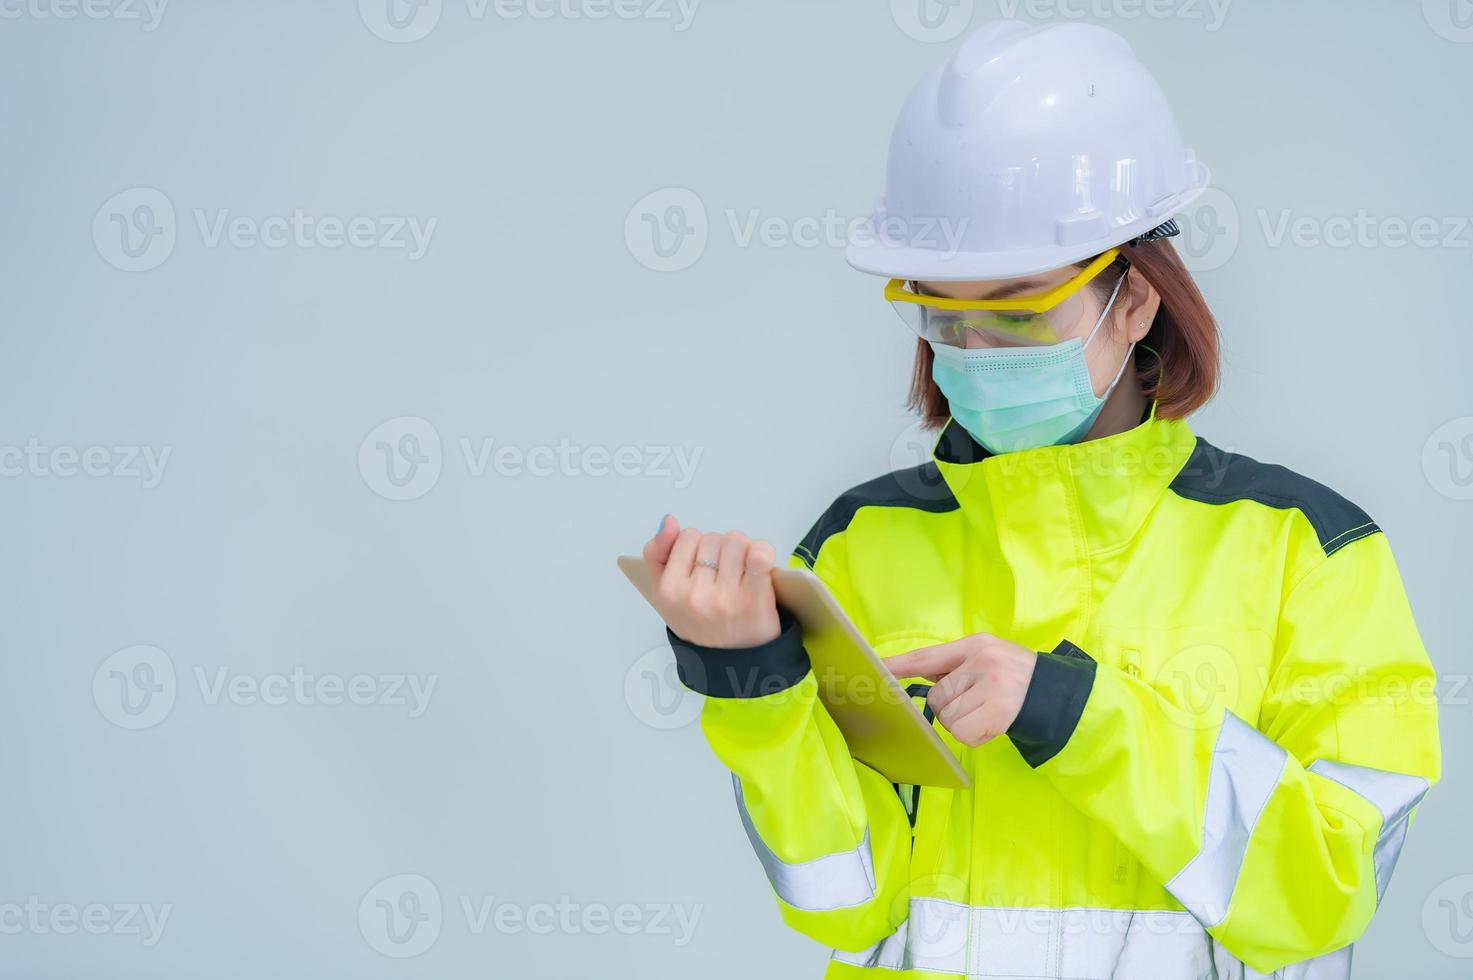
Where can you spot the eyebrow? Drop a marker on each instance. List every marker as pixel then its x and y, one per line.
pixel 1023 288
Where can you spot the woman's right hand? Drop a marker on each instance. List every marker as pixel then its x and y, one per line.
pixel 729 606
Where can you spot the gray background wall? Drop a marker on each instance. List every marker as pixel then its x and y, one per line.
pixel 548 795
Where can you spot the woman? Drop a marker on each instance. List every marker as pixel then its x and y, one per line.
pixel 1187 685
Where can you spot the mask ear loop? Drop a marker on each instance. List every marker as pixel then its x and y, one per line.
pixel 1106 311
pixel 1118 374
pixel 1126 360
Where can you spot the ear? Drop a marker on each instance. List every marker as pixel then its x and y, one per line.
pixel 1136 306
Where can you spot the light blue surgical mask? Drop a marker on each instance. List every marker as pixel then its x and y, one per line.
pixel 1014 398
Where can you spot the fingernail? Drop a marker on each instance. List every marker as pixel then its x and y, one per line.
pixel 663 519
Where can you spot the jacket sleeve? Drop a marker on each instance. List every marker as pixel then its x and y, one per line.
pixel 831 833
pixel 1279 833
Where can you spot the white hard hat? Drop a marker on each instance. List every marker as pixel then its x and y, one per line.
pixel 1030 149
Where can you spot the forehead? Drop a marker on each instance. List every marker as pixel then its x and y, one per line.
pixel 999 288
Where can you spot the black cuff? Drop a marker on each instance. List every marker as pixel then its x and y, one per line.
pixel 1056 696
pixel 747 672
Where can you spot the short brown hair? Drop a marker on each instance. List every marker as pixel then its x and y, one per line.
pixel 1184 334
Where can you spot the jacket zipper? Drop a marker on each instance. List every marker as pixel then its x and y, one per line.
pixel 910 796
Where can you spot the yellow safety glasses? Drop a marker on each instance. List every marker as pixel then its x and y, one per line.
pixel 1014 321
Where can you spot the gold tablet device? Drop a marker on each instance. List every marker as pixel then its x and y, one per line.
pixel 881 724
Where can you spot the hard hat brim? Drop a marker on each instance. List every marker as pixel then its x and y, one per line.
pixel 873 254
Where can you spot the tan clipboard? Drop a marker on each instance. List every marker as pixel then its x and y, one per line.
pixel 881 724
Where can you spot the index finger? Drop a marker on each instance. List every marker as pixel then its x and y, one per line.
pixel 931 662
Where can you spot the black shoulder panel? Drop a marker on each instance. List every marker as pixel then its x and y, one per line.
pixel 919 488
pixel 1213 476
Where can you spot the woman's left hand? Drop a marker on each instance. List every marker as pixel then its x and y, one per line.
pixel 980 683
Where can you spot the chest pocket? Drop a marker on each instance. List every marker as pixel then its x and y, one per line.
pixel 1201 670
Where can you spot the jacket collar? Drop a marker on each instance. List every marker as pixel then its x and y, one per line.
pixel 1100 490
pixel 956 445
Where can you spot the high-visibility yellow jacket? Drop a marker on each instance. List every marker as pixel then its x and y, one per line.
pixel 1215 764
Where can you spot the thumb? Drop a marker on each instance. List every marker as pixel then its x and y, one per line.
pixel 757 577
pixel 657 548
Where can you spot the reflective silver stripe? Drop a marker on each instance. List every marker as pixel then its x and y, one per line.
pixel 833 881
pixel 1395 794
pixel 1122 944
pixel 988 941
pixel 1330 966
pixel 1246 766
